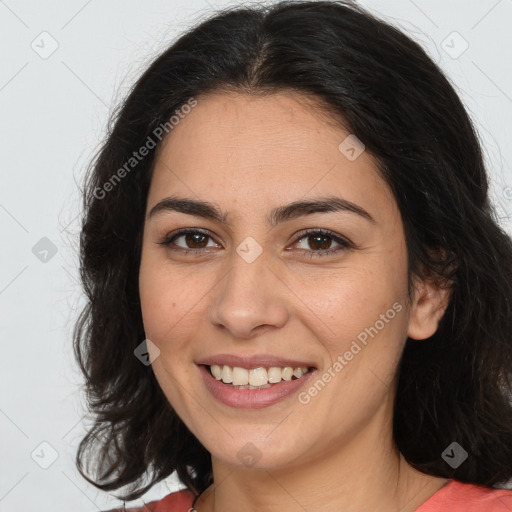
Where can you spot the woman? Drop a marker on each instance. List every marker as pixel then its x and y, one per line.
pixel 300 298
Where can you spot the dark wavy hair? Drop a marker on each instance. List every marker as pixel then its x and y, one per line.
pixel 379 84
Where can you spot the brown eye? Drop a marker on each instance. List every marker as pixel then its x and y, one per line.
pixel 196 241
pixel 193 239
pixel 319 241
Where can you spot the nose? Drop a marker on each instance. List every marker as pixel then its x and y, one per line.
pixel 251 298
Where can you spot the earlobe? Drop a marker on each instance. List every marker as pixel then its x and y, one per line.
pixel 428 307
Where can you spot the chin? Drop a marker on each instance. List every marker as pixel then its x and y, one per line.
pixel 255 449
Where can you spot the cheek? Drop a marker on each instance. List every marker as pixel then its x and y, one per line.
pixel 158 298
pixel 162 296
pixel 359 316
pixel 173 302
pixel 166 323
pixel 346 302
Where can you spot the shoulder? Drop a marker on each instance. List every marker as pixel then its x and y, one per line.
pixel 458 496
pixel 179 501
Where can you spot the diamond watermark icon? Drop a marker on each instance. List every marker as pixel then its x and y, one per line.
pixel 351 147
pixel 249 249
pixel 146 352
pixel 44 250
pixel 454 455
pixel 249 454
pixel 454 45
pixel 44 45
pixel 44 455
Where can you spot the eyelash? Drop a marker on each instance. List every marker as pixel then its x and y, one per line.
pixel 343 243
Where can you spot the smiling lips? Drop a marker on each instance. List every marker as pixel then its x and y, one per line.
pixel 253 397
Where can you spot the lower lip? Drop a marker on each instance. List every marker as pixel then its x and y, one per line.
pixel 252 398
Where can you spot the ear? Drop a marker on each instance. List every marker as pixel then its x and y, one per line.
pixel 428 307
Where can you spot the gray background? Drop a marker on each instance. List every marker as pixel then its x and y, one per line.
pixel 53 112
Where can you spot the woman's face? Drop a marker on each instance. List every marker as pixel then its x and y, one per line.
pixel 280 291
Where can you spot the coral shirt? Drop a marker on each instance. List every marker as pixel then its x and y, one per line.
pixel 457 496
pixel 454 496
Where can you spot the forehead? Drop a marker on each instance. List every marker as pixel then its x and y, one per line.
pixel 237 148
pixel 257 124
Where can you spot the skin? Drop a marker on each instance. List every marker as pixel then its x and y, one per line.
pixel 249 155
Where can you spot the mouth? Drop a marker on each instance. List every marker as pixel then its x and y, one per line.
pixel 256 378
pixel 254 388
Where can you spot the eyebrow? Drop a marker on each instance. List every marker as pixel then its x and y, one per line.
pixel 280 214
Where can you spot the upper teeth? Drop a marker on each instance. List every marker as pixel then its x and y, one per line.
pixel 255 376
